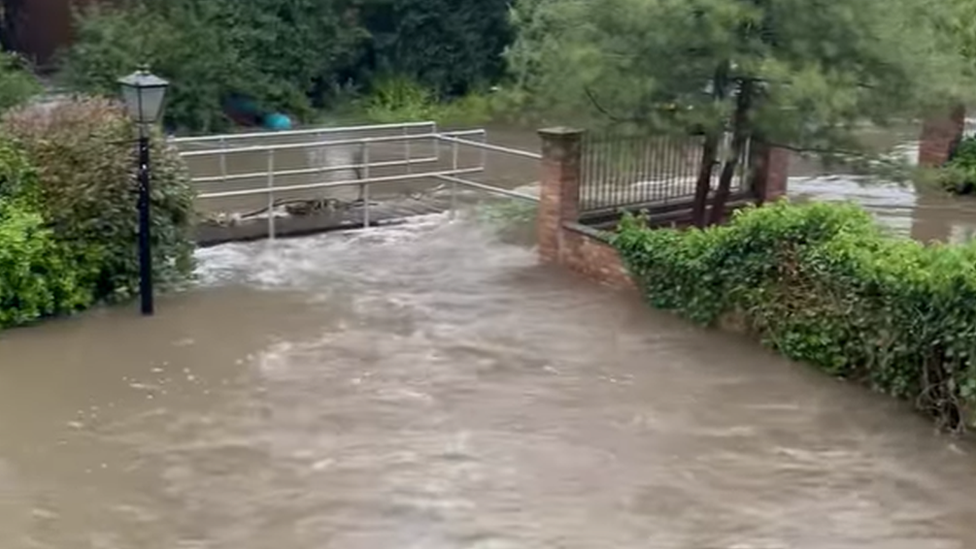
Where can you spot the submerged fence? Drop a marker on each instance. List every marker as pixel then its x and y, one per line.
pixel 627 172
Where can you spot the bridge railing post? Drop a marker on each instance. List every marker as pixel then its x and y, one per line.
pixel 271 199
pixel 454 173
pixel 365 187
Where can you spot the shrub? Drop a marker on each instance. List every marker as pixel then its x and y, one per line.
pixel 396 99
pixel 958 175
pixel 86 190
pixel 17 84
pixel 37 275
pixel 823 284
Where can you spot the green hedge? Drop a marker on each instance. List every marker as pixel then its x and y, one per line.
pixel 822 283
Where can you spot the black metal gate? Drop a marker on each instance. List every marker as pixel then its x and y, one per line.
pixel 627 173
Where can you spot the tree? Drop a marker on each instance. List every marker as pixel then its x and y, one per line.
pixel 286 54
pixel 279 53
pixel 803 73
pixel 448 46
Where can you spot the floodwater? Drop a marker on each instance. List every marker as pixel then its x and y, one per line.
pixel 432 386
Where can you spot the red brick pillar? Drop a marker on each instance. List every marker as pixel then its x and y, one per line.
pixel 559 188
pixel 772 172
pixel 940 135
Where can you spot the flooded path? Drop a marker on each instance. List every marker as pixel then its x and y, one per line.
pixel 430 386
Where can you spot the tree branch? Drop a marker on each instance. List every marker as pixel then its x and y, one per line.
pixel 596 104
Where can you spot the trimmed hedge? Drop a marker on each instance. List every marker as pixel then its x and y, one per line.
pixel 822 283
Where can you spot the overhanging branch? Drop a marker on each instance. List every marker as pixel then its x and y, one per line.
pixel 596 104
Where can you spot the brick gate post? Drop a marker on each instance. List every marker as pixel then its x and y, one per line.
pixel 558 188
pixel 772 172
pixel 939 138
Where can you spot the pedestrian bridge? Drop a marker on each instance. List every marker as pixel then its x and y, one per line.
pixel 353 176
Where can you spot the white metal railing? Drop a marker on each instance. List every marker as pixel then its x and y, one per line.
pixel 363 165
pixel 404 127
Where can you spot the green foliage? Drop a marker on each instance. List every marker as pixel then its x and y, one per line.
pixel 964 157
pixel 399 99
pixel 823 284
pixel 816 69
pixel 448 46
pixel 281 53
pixel 38 276
pixel 86 190
pixel 957 176
pixel 293 56
pixel 17 84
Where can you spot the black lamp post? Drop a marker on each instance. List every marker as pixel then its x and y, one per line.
pixel 143 94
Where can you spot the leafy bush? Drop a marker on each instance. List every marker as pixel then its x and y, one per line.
pixel 86 190
pixel 958 175
pixel 823 284
pixel 399 99
pixel 37 275
pixel 17 84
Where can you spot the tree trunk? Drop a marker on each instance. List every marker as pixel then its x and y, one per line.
pixel 740 136
pixel 704 184
pixel 703 187
pixel 9 16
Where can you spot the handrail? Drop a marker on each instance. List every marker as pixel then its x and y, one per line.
pixel 516 152
pixel 310 171
pixel 306 131
pixel 328 143
pixel 487 188
pixel 344 183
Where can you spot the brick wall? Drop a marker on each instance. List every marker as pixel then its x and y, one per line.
pixel 586 254
pixel 939 138
pixel 564 241
pixel 559 196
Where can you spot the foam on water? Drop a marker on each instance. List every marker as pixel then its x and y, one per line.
pixel 424 246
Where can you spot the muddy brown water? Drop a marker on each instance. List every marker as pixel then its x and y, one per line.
pixel 432 386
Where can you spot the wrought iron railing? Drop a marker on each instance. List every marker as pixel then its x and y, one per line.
pixel 629 172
